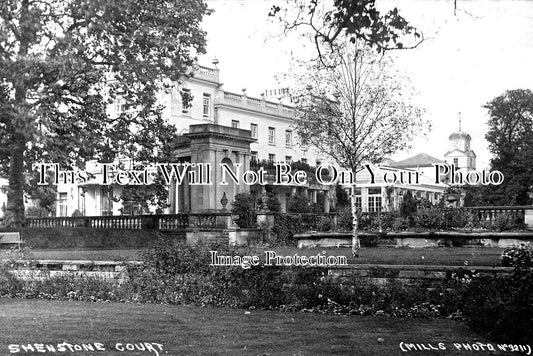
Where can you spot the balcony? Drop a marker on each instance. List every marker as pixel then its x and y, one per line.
pixel 244 102
pixel 208 74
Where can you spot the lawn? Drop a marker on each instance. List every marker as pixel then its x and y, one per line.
pixel 447 256
pixel 184 330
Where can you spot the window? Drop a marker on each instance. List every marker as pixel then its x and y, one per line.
pixel 186 101
pixel 288 159
pixel 253 156
pixel 271 136
pixel 206 104
pixel 358 203
pixel 288 138
pixel 456 162
pixel 271 157
pixel 374 203
pixel 107 200
pixel 63 204
pixel 235 124
pixel 120 106
pixel 374 200
pixel 253 128
pixel 81 200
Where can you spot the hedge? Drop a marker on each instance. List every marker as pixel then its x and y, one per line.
pixel 88 238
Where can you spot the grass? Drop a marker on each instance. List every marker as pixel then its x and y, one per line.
pixel 447 256
pixel 185 330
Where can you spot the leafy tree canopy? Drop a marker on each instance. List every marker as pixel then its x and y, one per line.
pixel 510 137
pixel 353 107
pixel 356 20
pixel 62 62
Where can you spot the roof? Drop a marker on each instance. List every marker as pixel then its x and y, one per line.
pixel 459 135
pixel 420 160
pixel 387 161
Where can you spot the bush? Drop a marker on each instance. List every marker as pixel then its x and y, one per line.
pixel 299 204
pixel 344 219
pixel 408 205
pixel 285 226
pixel 89 238
pixel 272 202
pixel 400 223
pixel 501 307
pixel 508 221
pixel 518 256
pixel 429 218
pixel 243 206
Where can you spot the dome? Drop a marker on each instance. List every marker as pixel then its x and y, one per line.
pixel 460 135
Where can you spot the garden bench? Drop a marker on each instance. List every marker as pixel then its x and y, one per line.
pixel 10 238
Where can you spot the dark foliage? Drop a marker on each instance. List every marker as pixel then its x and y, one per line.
pixel 243 206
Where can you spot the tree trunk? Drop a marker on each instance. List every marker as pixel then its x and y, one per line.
pixel 15 216
pixel 356 243
pixel 15 193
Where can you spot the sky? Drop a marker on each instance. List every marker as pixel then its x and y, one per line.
pixel 466 59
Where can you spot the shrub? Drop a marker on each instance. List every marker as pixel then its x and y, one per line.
pixel 342 197
pixel 518 256
pixel 400 223
pixel 429 218
pixel 408 205
pixel 285 226
pixel 299 204
pixel 508 221
pixel 243 206
pixel 272 202
pixel 501 307
pixel 344 219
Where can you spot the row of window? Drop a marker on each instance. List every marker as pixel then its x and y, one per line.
pixel 272 158
pixel 374 199
pixel 271 133
pixel 186 109
pixel 186 103
pixel 373 202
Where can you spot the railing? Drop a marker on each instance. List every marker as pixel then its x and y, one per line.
pixel 113 222
pixel 490 213
pixel 207 73
pixel 255 104
pixel 232 96
pixel 171 222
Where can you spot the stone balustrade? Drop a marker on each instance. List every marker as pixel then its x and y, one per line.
pixel 165 222
pixel 248 103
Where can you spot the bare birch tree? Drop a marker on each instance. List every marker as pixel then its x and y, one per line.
pixel 356 110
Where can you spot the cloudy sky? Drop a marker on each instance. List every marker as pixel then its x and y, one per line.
pixel 465 61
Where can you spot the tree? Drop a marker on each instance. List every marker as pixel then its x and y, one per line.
pixel 510 137
pixel 243 206
pixel 352 108
pixel 408 206
pixel 63 61
pixel 356 20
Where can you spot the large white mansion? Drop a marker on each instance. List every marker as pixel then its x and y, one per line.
pixel 224 127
